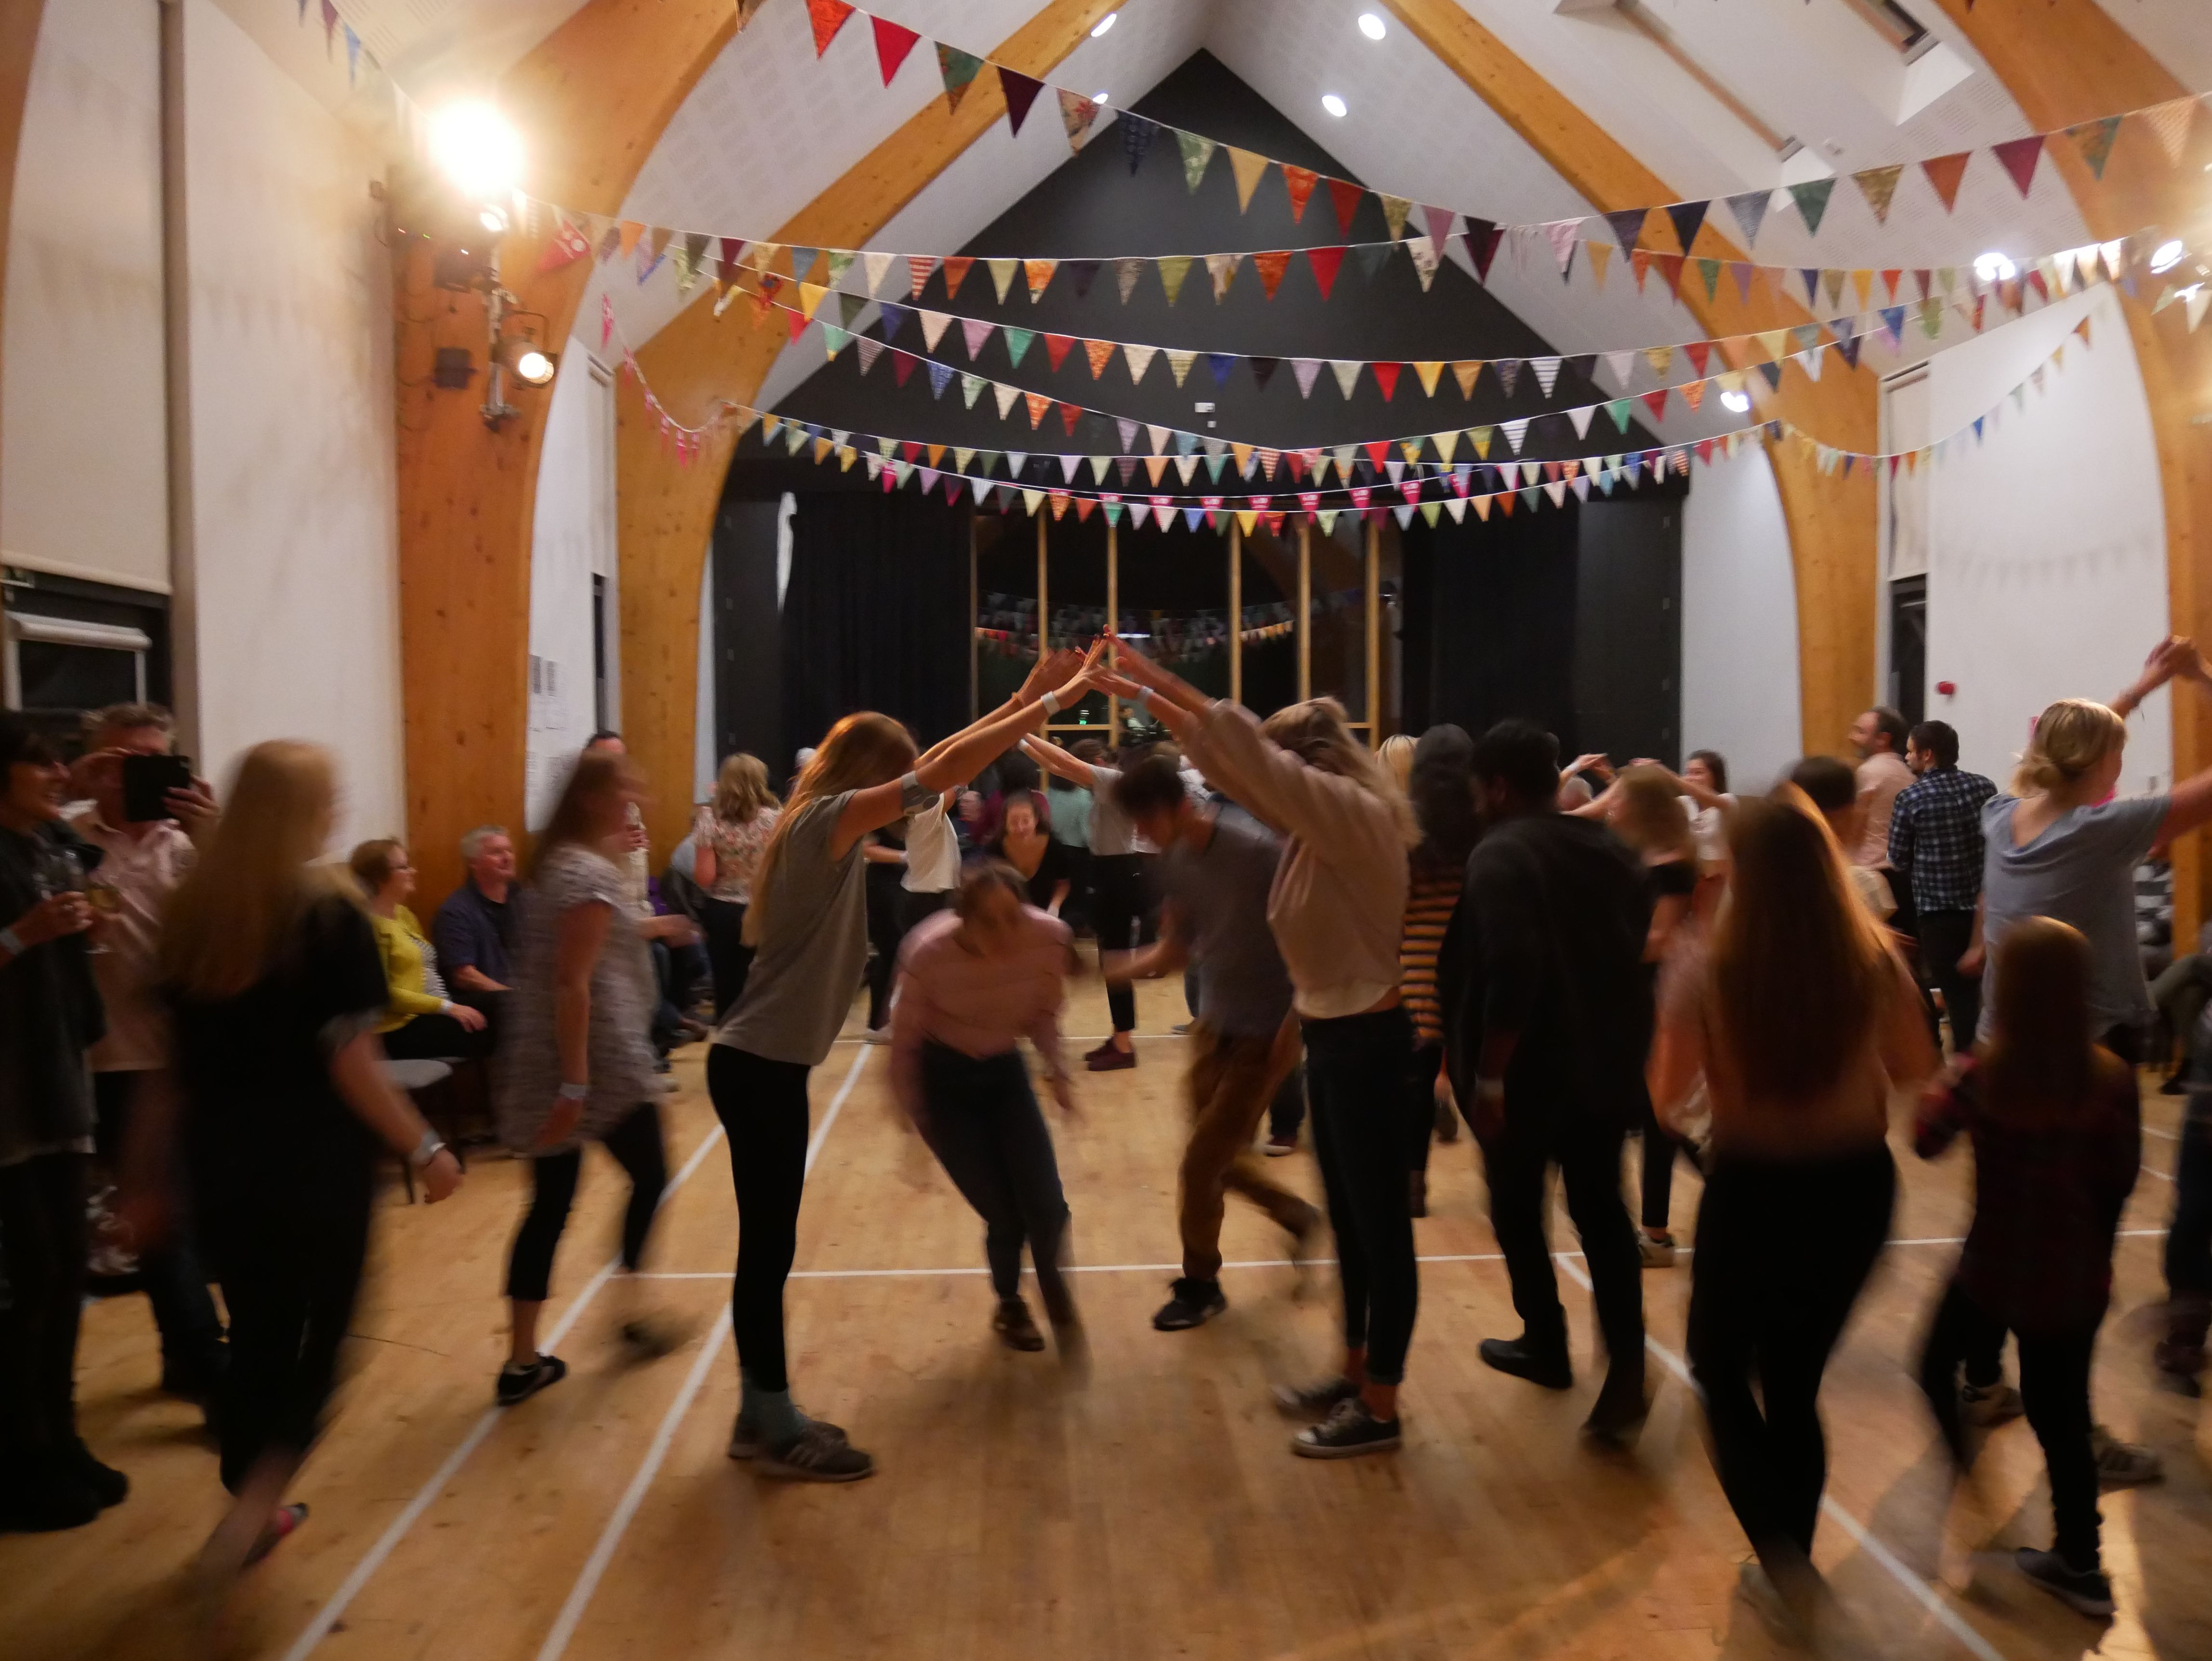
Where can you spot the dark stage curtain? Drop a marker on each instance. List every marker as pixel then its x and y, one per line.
pixel 1490 622
pixel 876 615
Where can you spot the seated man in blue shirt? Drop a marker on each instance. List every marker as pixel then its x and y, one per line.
pixel 475 927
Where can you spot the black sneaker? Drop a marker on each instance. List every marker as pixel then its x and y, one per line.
pixel 1016 1330
pixel 1194 1304
pixel 1351 1430
pixel 1548 1367
pixel 819 1453
pixel 745 1435
pixel 1317 1400
pixel 108 1485
pixel 2086 1591
pixel 518 1385
pixel 1620 1408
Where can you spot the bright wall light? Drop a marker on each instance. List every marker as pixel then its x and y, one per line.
pixel 1100 98
pixel 2167 256
pixel 1737 403
pixel 532 366
pixel 1994 267
pixel 477 149
pixel 1372 27
pixel 1103 24
pixel 1333 104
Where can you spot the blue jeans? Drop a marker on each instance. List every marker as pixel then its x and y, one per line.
pixel 982 1121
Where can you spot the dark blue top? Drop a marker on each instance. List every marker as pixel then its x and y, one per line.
pixel 474 932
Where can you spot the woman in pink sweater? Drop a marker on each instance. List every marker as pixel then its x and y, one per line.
pixel 973 981
pixel 1336 911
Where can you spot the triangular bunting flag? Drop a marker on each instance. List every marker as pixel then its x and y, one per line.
pixel 1627 225
pixel 1812 200
pixel 1250 169
pixel 1344 195
pixel 1879 186
pixel 1394 209
pixel 957 69
pixel 2019 156
pixel 1306 370
pixel 828 16
pixel 1039 273
pixel 1173 269
pixel 1077 112
pixel 1138 358
pixel 1943 175
pixel 1346 372
pixel 1271 266
pixel 2094 140
pixel 893 42
pixel 1326 263
pixel 1002 276
pixel 1021 91
pixel 2169 123
pixel 1687 218
pixel 1196 153
pixel 1126 273
pixel 1222 268
pixel 1136 133
pixel 1749 207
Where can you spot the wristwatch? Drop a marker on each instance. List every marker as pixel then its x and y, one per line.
pixel 426 1150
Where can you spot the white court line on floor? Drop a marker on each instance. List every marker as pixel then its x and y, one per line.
pixel 595 1567
pixel 1921 1592
pixel 329 1615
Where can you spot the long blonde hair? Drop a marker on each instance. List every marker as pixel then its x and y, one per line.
pixel 863 750
pixel 1314 731
pixel 2071 737
pixel 255 875
pixel 2040 1052
pixel 1798 964
pixel 1651 818
pixel 1396 756
pixel 741 789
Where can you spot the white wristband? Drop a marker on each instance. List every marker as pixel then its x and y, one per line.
pixel 575 1092
pixel 1051 702
pixel 1145 699
pixel 10 943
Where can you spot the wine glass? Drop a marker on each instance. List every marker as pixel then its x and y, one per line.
pixel 59 871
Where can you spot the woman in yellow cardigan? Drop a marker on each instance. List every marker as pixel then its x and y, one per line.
pixel 420 1023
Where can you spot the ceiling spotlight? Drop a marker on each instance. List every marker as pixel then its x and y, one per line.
pixel 493 218
pixel 1100 98
pixel 477 149
pixel 1994 267
pixel 1333 104
pixel 1737 403
pixel 2167 256
pixel 1103 24
pixel 533 367
pixel 1372 27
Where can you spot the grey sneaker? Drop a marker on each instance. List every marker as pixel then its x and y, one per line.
pixel 1348 1432
pixel 2124 1464
pixel 745 1441
pixel 819 1453
pixel 1317 1400
pixel 2086 1591
pixel 1655 1254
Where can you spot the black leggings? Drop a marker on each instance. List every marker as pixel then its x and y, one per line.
pixel 42 1249
pixel 1117 911
pixel 287 1246
pixel 1355 1073
pixel 437 1038
pixel 636 1147
pixel 1783 1247
pixel 1658 1163
pixel 886 900
pixel 2054 1385
pixel 726 952
pixel 1422 1066
pixel 763 1107
pixel 982 1122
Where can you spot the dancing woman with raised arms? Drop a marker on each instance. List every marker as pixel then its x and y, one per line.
pixel 808 928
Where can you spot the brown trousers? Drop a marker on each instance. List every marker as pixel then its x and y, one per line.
pixel 1230 1083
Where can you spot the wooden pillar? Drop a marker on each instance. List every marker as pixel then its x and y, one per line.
pixel 1236 612
pixel 2069 61
pixel 1305 612
pixel 1374 635
pixel 1113 621
pixel 591 101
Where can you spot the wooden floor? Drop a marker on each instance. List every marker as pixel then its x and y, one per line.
pixel 1136 1501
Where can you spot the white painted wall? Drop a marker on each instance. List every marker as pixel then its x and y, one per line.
pixel 1739 622
pixel 2047 573
pixel 572 538
pixel 294 509
pixel 83 477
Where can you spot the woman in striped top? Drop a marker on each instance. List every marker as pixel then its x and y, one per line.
pixel 1441 784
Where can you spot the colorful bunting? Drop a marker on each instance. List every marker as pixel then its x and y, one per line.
pixel 893 42
pixel 2018 157
pixel 1943 173
pixel 957 70
pixel 1021 92
pixel 1879 186
pixel 828 16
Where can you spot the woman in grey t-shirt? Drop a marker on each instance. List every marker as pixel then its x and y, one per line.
pixel 2061 845
pixel 808 928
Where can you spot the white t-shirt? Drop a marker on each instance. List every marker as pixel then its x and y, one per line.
pixel 933 852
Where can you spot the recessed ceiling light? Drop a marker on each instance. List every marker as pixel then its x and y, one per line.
pixel 1103 24
pixel 1372 27
pixel 1101 98
pixel 1994 267
pixel 2167 256
pixel 1333 104
pixel 1738 402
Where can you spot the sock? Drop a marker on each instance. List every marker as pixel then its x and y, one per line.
pixel 773 1415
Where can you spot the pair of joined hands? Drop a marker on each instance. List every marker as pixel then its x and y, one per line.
pixel 1112 666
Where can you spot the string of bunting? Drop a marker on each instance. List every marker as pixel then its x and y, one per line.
pixel 694 256
pixel 2168 125
pixel 1007 396
pixel 1527 483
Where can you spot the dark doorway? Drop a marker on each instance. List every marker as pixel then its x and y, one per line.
pixel 1908 648
pixel 599 652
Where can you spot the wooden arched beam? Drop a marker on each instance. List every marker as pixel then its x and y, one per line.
pixel 666 510
pixel 1832 520
pixel 19 44
pixel 591 100
pixel 2068 61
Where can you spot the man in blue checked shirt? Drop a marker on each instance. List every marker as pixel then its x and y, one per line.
pixel 1935 845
